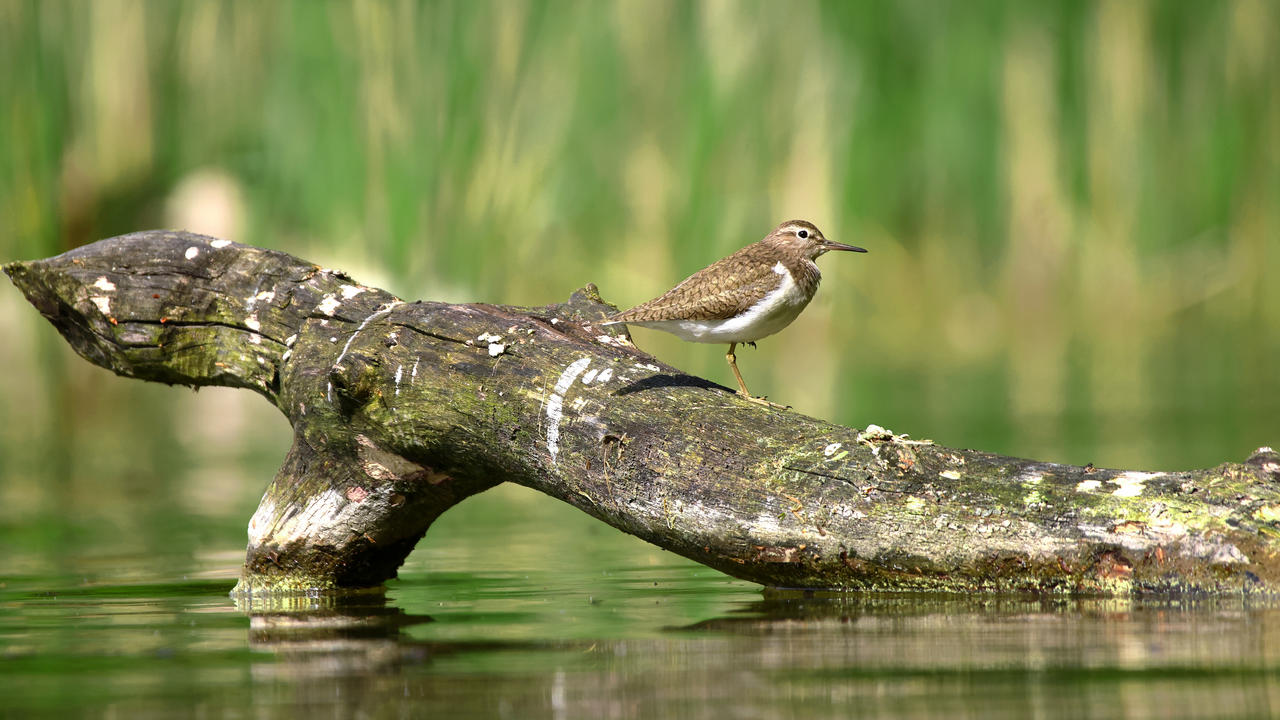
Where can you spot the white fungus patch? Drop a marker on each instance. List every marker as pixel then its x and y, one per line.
pixel 831 449
pixel 255 339
pixel 289 341
pixel 555 404
pixel 252 323
pixel 1088 485
pixel 350 291
pixel 950 474
pixel 589 376
pixel 266 296
pixel 192 252
pixel 104 284
pixel 328 305
pixel 399 372
pixel 874 434
pixel 496 346
pixel 1130 484
pixel 605 375
pixel 219 244
pixel 615 341
pixel 103 304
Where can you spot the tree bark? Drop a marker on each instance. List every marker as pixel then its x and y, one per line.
pixel 401 409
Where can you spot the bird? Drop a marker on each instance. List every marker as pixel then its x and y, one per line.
pixel 742 298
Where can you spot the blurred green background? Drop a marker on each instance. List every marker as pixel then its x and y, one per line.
pixel 1072 208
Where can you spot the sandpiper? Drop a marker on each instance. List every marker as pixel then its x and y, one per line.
pixel 742 298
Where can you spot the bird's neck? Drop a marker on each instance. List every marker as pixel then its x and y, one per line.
pixel 804 272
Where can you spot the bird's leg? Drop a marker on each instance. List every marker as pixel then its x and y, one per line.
pixel 742 386
pixel 733 365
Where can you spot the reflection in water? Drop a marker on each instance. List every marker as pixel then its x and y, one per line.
pixel 497 616
pixel 326 637
pixel 780 654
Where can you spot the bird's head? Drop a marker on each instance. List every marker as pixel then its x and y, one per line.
pixel 803 237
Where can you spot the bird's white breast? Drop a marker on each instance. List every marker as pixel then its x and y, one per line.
pixel 770 314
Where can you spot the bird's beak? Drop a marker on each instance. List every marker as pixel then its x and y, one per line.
pixel 830 245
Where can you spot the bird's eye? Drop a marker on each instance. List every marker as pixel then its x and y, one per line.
pixel 802 234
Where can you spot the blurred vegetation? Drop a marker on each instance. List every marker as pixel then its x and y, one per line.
pixel 1072 208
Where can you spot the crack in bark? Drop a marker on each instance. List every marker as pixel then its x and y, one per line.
pixel 430 334
pixel 169 323
pixel 806 471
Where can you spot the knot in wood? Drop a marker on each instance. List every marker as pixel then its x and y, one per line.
pixel 356 378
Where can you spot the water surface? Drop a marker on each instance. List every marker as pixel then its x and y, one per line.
pixel 519 624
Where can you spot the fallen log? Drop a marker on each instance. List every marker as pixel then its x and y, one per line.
pixel 400 410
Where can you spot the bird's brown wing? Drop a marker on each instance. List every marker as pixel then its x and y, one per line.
pixel 717 292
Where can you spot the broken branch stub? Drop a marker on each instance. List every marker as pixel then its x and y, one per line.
pixel 401 409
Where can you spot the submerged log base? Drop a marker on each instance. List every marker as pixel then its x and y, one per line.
pixel 402 409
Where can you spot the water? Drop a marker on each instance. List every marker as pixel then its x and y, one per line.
pixel 591 623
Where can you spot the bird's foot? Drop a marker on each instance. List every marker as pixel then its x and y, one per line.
pixel 753 345
pixel 763 401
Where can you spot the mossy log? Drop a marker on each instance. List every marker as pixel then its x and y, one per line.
pixel 401 409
